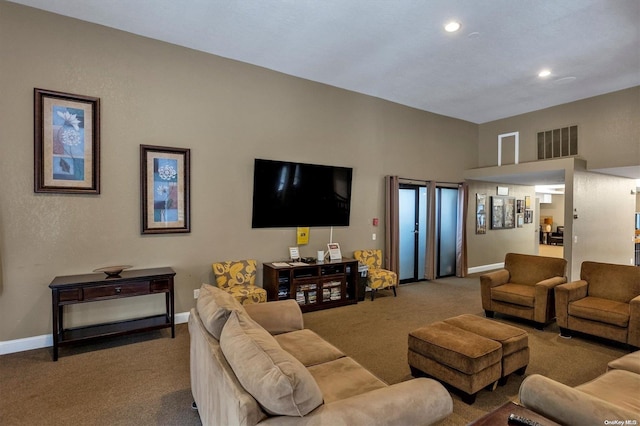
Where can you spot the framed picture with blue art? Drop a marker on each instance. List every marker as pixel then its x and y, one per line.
pixel 66 143
pixel 164 183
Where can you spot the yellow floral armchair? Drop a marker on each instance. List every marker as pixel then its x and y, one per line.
pixel 238 278
pixel 377 278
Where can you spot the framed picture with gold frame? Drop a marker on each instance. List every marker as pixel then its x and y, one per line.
pixel 66 143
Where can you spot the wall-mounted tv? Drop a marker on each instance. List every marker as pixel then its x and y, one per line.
pixel 288 194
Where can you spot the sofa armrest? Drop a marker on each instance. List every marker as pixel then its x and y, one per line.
pixel 419 401
pixel 277 317
pixel 629 362
pixel 566 293
pixel 544 299
pixel 633 336
pixel 490 280
pixel 552 282
pixel 574 290
pixel 566 405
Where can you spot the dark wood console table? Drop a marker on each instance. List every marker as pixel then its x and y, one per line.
pixel 72 289
pixel 314 285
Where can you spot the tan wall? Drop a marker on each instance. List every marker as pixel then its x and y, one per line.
pixel 227 113
pixel 608 130
pixel 603 230
pixel 490 248
pixel 609 136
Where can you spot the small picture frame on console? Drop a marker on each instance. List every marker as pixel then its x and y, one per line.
pixel 294 253
pixel 334 251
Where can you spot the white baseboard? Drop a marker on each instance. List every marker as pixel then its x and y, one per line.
pixel 182 317
pixel 46 340
pixel 26 344
pixel 485 268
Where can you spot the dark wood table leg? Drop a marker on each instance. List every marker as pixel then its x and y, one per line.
pixel 170 310
pixel 56 320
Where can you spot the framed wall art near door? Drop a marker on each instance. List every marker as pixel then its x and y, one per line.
pixel 66 143
pixel 528 216
pixel 165 192
pixel 503 212
pixel 481 213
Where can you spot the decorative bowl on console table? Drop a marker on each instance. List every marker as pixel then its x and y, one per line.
pixel 113 271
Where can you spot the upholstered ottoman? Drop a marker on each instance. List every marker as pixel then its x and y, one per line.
pixel 514 341
pixel 460 358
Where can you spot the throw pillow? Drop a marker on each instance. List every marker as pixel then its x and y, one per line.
pixel 277 380
pixel 214 306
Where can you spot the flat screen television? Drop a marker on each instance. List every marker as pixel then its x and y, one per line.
pixel 288 194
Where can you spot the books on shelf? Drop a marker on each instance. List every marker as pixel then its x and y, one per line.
pixel 331 290
pixel 306 294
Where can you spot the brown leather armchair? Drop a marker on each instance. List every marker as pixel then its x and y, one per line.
pixel 605 302
pixel 524 287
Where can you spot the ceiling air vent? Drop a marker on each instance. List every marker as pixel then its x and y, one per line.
pixel 558 143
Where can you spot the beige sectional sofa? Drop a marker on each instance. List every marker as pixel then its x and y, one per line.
pixel 258 365
pixel 611 398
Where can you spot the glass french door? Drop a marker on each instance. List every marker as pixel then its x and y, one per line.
pixel 446 231
pixel 413 230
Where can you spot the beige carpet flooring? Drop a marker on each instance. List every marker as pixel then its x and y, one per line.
pixel 375 334
pixel 144 379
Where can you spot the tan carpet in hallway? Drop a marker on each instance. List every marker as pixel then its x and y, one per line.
pixel 550 251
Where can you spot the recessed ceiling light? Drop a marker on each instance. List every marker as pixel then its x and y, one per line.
pixel 544 73
pixel 452 26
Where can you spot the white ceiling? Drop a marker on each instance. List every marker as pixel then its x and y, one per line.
pixel 397 49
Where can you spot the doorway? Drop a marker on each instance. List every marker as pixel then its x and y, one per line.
pixel 427 237
pixel 413 232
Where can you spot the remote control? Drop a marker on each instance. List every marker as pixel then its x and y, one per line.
pixel 515 419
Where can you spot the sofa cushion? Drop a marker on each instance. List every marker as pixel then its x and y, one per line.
pixel 276 379
pixel 601 310
pixel 308 348
pixel 619 387
pixel 454 347
pixel 518 294
pixel 214 306
pixel 528 269
pixel 512 339
pixel 343 378
pixel 611 281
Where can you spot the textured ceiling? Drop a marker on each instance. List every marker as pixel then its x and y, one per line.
pixel 397 49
